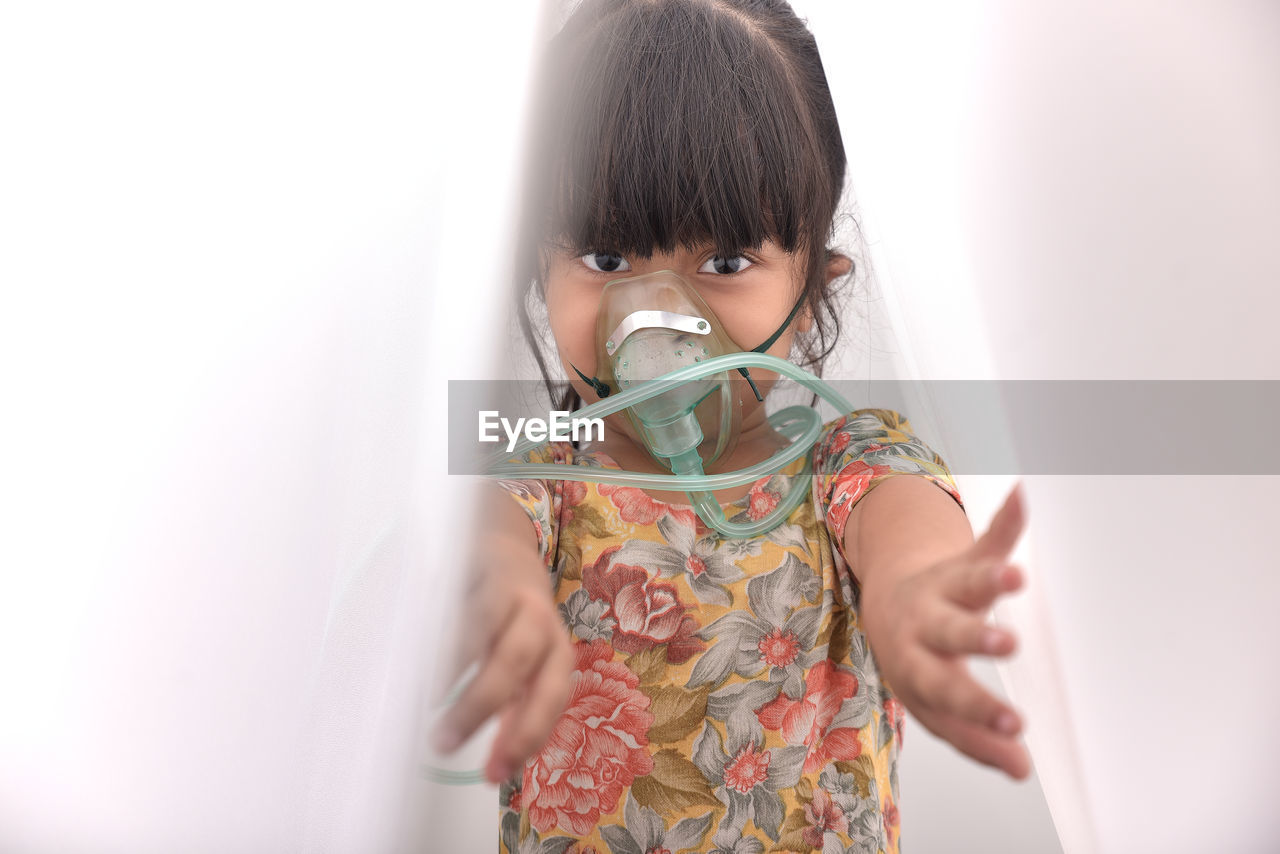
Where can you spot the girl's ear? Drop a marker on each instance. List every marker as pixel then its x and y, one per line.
pixel 837 265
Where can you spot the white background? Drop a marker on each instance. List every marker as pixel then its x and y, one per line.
pixel 238 266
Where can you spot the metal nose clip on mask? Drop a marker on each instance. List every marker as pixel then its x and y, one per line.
pixel 666 360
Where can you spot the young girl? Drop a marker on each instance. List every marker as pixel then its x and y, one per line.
pixel 672 689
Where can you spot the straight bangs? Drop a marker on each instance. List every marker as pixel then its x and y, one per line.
pixel 665 125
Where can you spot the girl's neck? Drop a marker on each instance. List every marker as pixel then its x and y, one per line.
pixel 757 442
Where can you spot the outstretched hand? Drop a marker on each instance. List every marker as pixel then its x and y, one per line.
pixel 922 626
pixel 513 635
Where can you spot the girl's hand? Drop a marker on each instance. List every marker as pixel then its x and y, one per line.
pixel 514 635
pixel 922 626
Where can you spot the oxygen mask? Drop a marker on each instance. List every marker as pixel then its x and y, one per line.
pixel 648 327
pixel 666 361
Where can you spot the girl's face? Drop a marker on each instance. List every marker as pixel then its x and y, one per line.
pixel 751 294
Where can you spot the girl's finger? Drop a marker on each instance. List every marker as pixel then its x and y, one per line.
pixel 485 613
pixel 1003 752
pixel 1005 528
pixel 949 689
pixel 518 651
pixel 976 586
pixel 954 631
pixel 529 722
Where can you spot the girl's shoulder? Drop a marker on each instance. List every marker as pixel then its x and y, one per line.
pixel 858 451
pixel 548 453
pixel 868 420
pixel 869 430
pixel 541 495
pixel 564 453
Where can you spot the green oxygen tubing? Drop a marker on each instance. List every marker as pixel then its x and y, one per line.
pixel 801 424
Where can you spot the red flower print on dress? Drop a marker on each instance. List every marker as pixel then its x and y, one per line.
pixel 596 749
pixel 850 485
pixel 839 441
pixel 572 494
pixel 696 565
pixel 634 506
pixel 823 815
pixel 895 716
pixel 778 648
pixel 746 770
pixel 648 612
pixel 761 501
pixel 805 721
pixel 889 815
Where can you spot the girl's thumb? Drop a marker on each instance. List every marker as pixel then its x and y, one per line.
pixel 1005 528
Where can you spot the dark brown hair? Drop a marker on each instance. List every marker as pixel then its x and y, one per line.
pixel 665 123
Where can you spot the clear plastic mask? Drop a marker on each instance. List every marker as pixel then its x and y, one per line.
pixel 649 326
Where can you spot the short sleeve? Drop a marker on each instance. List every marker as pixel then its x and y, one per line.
pixel 541 501
pixel 861 450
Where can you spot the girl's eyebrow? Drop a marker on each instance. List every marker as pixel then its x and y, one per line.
pixel 564 245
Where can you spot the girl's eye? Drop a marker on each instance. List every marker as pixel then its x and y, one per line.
pixel 605 262
pixel 725 266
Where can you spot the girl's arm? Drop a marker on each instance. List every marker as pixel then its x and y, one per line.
pixel 904 524
pixel 926 586
pixel 512 630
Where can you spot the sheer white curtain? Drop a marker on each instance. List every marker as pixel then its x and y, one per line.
pixel 907 81
pixel 1089 192
pixel 232 267
pixel 1123 198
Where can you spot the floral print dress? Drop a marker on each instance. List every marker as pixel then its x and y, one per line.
pixel 724 697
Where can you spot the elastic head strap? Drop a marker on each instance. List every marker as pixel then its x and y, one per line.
pixel 601 390
pixel 795 309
